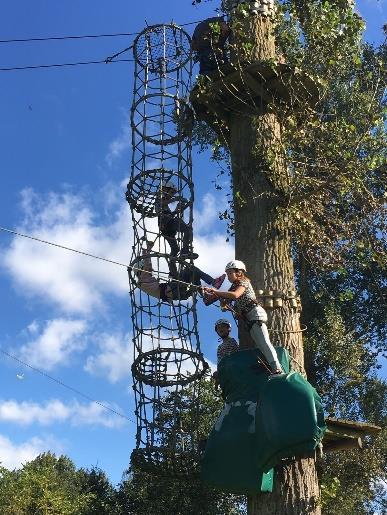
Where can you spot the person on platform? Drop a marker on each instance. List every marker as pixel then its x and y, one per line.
pixel 228 344
pixel 246 308
pixel 208 42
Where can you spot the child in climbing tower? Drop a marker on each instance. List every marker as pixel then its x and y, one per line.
pixel 248 309
pixel 172 289
pixel 171 222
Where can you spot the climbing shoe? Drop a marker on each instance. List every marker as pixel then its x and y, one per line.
pixel 217 283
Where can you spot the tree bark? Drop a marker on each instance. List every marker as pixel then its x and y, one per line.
pixel 263 242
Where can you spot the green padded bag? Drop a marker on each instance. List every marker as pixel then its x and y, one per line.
pixel 265 418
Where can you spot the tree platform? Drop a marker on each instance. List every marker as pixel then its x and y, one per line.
pixel 250 89
pixel 346 434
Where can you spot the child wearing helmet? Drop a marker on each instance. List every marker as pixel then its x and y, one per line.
pixel 228 345
pixel 247 308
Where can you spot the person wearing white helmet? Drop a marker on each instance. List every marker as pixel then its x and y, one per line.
pixel 171 222
pixel 248 309
pixel 228 345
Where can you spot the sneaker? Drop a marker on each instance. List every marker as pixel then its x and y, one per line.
pixel 209 298
pixel 217 283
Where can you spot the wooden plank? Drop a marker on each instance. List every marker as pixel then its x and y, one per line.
pixel 342 445
pixel 335 424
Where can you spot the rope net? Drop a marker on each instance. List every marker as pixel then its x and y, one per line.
pixel 167 354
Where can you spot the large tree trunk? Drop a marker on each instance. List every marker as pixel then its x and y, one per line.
pixel 262 241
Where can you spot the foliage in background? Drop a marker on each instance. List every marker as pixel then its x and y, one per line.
pixel 146 493
pixel 334 202
pixel 52 486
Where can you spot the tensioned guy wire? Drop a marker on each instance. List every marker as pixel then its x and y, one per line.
pixel 84 36
pixel 61 383
pixel 108 60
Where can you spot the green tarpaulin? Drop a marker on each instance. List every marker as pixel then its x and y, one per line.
pixel 265 419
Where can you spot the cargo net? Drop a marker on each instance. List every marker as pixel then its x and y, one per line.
pixel 162 278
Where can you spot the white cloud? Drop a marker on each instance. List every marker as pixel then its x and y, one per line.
pixel 79 284
pixel 58 340
pixel 114 358
pixel 15 455
pixel 73 282
pixel 121 144
pixel 55 411
pixel 208 213
pixel 213 249
pixel 214 253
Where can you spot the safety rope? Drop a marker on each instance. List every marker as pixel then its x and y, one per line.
pixel 129 267
pixel 78 392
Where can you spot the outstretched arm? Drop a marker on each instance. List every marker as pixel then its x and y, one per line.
pixel 230 295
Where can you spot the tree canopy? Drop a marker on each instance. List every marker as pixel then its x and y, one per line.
pixel 333 202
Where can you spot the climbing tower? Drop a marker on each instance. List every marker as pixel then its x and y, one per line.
pixel 167 354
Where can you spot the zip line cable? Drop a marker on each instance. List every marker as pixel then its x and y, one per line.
pixel 61 383
pixel 84 36
pixel 136 269
pixel 61 246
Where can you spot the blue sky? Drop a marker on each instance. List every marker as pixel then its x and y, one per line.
pixel 64 162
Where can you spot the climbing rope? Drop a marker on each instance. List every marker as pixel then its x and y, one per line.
pixel 61 383
pixel 77 251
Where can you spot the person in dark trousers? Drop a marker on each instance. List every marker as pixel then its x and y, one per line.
pixel 247 308
pixel 171 222
pixel 208 41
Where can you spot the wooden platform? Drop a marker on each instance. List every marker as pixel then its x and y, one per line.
pixel 247 89
pixel 346 434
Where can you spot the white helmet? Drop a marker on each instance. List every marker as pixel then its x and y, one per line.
pixel 238 265
pixel 222 321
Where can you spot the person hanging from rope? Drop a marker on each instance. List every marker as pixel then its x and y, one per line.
pixel 171 222
pixel 208 41
pixel 247 309
pixel 179 287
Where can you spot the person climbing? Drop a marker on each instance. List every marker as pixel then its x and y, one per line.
pixel 168 291
pixel 228 345
pixel 248 309
pixel 171 222
pixel 208 41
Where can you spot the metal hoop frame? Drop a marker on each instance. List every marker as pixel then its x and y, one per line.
pixel 167 354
